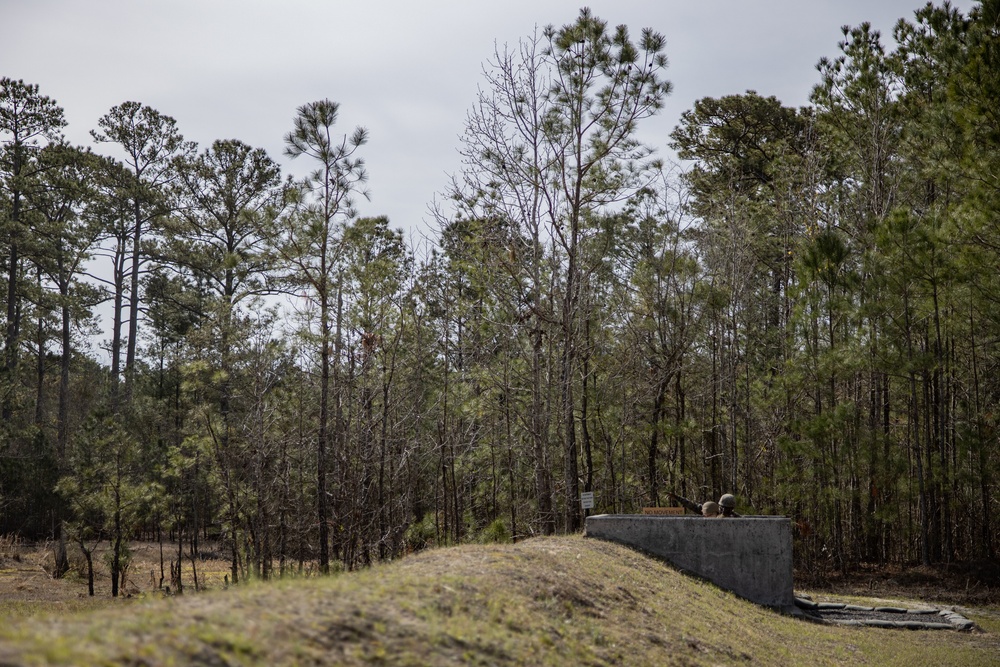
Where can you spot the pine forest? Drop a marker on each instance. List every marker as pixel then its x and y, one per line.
pixel 803 311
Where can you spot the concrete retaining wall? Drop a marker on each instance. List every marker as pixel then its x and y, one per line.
pixel 750 556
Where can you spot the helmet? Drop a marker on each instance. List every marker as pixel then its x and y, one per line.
pixel 710 509
pixel 728 500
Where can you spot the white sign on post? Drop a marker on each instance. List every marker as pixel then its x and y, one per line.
pixel 587 500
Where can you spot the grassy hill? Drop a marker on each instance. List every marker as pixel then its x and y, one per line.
pixel 561 601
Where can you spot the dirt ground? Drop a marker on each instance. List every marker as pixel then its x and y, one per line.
pixel 26 580
pixel 967 584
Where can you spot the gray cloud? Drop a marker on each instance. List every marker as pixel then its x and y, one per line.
pixel 406 70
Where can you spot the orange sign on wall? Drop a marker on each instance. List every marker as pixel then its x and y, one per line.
pixel 668 511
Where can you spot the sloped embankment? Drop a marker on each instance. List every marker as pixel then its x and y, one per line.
pixel 565 601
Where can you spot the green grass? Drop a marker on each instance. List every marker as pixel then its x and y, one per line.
pixel 551 601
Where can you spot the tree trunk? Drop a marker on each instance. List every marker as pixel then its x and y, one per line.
pixel 133 317
pixel 116 328
pixel 324 402
pixel 13 303
pixel 543 487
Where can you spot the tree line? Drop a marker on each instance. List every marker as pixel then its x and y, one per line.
pixel 804 316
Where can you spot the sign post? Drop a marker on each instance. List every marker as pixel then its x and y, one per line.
pixel 587 500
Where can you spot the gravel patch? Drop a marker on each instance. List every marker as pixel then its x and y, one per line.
pixel 920 618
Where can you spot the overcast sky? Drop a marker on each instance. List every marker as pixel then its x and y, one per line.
pixel 408 71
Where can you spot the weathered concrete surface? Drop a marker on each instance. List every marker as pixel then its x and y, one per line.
pixel 750 556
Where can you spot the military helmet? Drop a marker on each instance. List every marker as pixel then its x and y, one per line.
pixel 710 509
pixel 728 500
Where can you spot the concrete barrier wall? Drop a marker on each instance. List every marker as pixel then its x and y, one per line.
pixel 750 556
